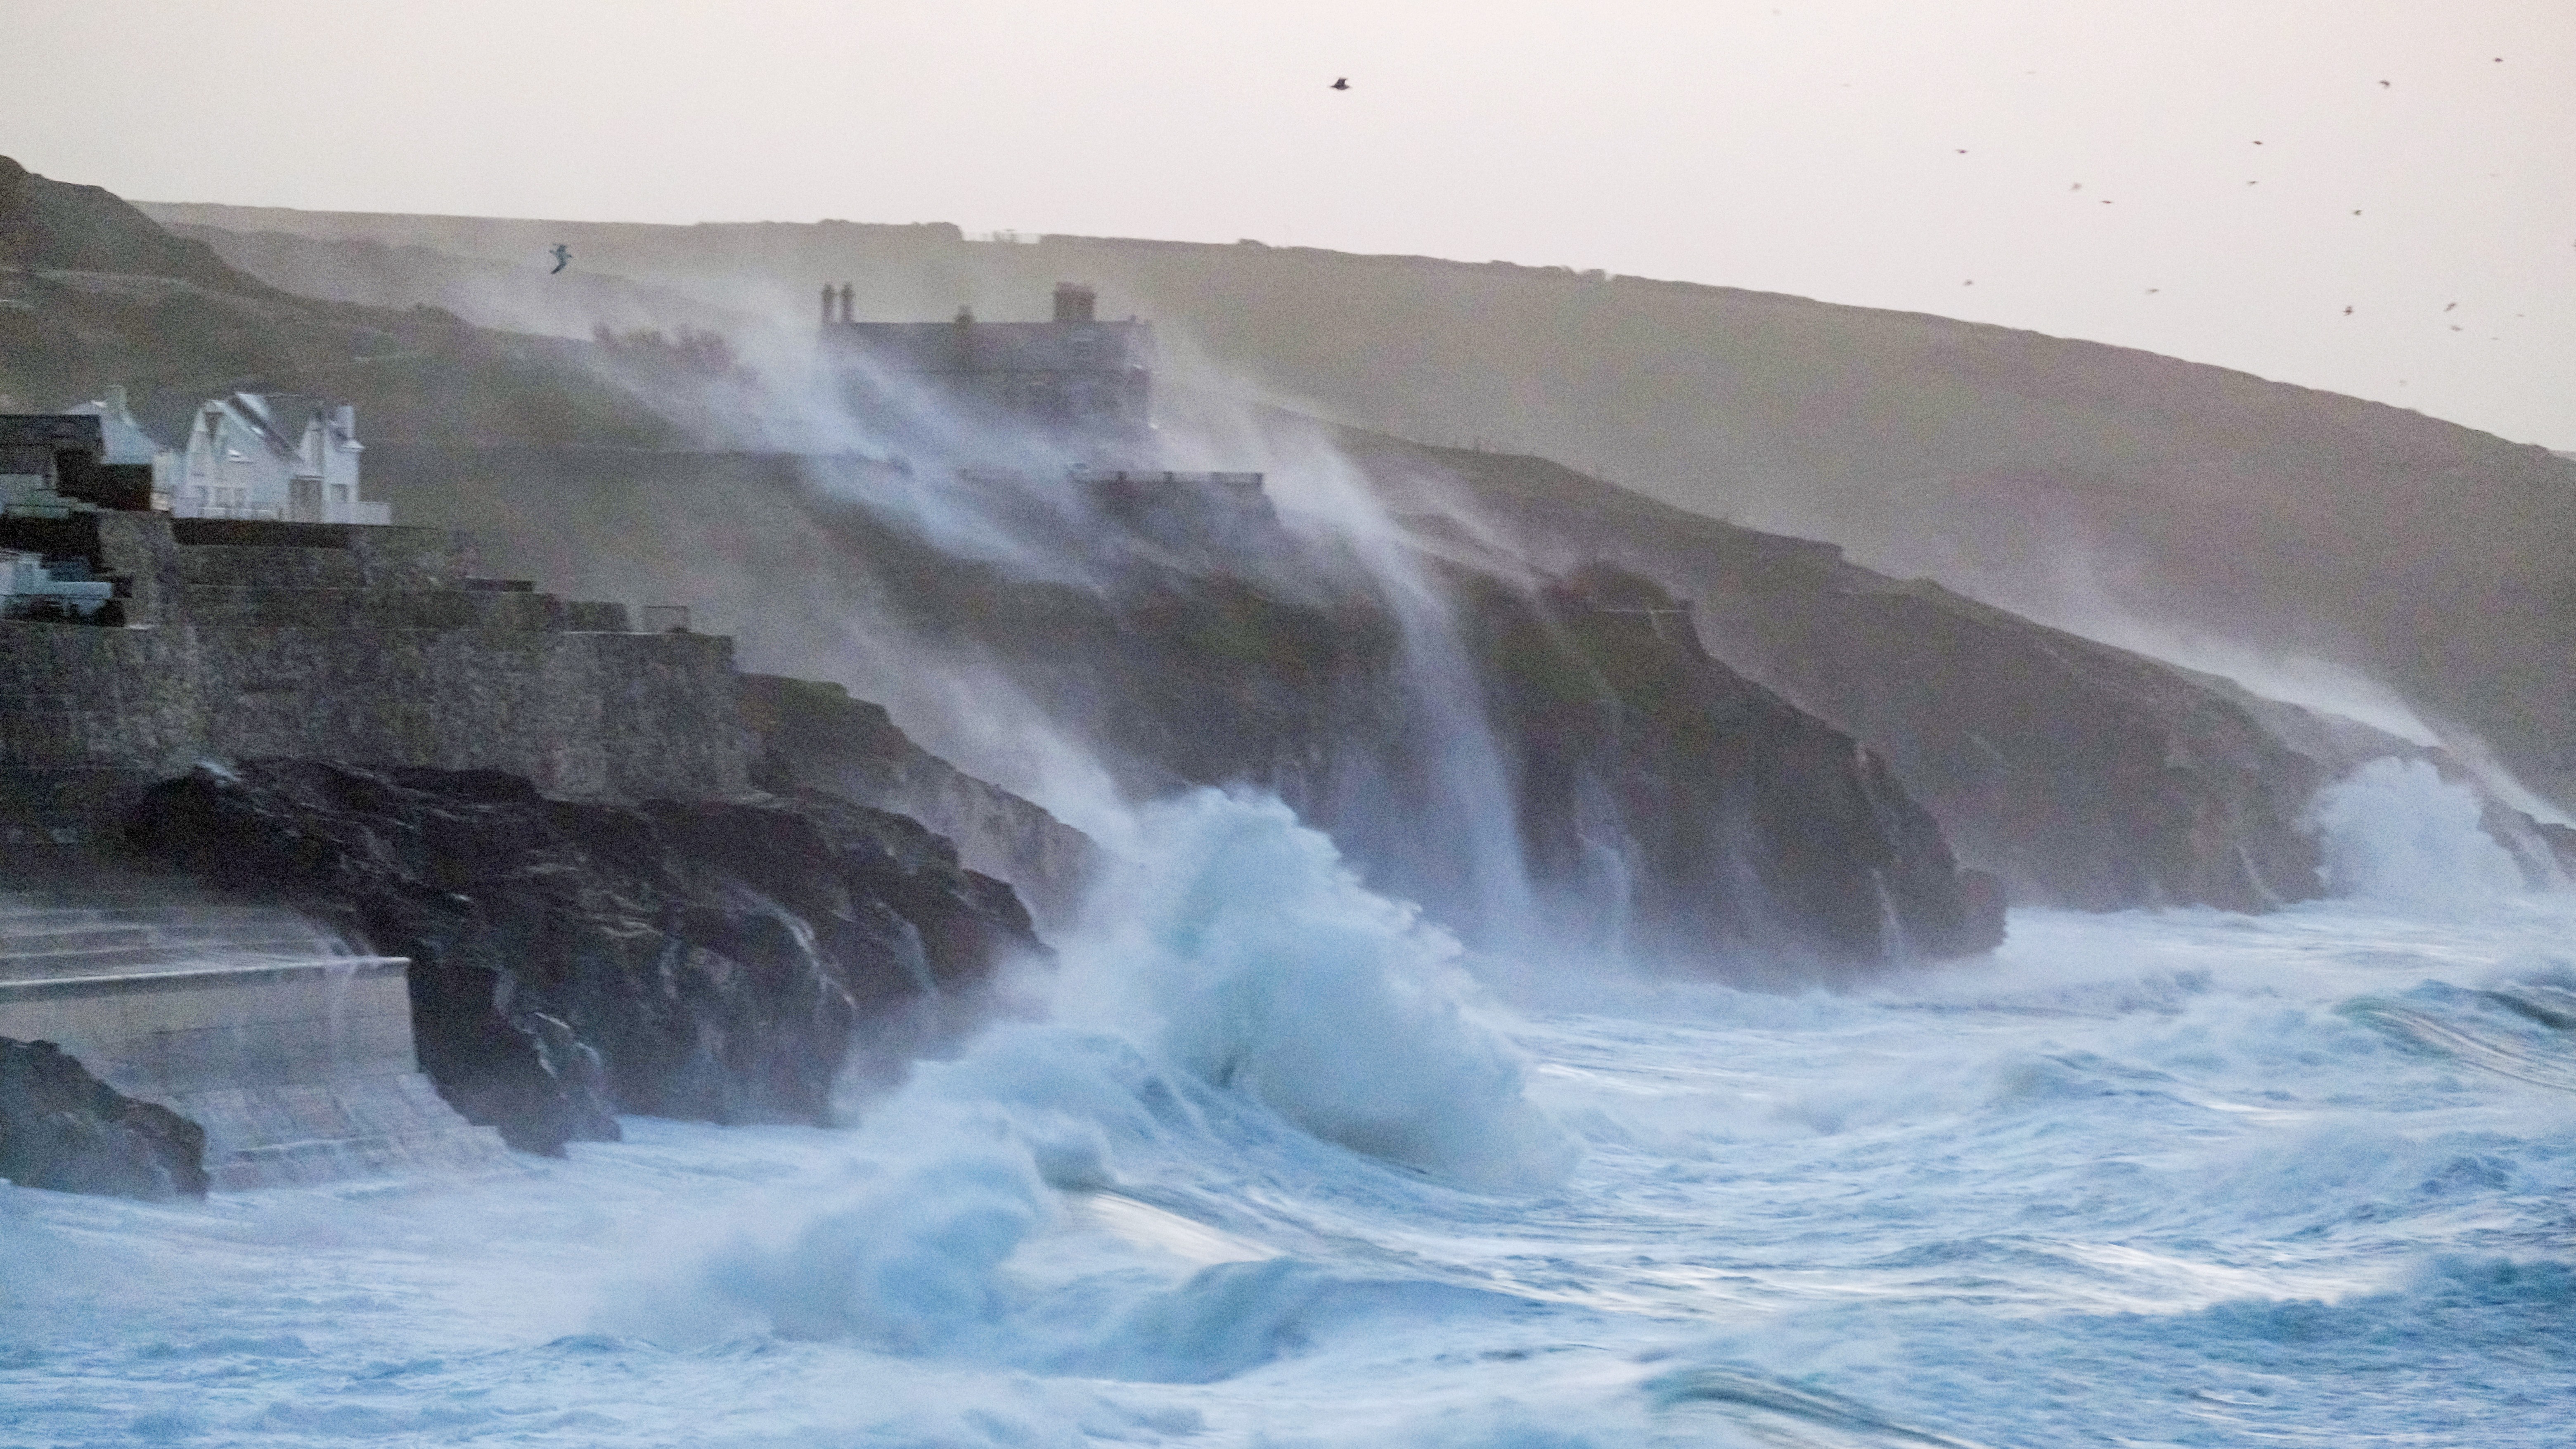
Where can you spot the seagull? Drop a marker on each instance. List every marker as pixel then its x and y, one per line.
pixel 1341 83
pixel 563 258
pixel 2383 85
pixel 2454 304
pixel 2347 311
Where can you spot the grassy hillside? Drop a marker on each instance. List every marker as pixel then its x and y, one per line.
pixel 92 293
pixel 2078 483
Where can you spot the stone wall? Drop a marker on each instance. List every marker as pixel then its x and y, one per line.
pixel 372 647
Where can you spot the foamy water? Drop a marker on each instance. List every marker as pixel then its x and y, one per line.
pixel 1276 1172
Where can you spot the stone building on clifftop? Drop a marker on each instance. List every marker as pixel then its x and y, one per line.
pixel 1070 390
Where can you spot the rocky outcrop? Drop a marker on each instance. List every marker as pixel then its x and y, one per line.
pixel 717 961
pixel 2081 775
pixel 64 1130
pixel 1663 805
pixel 814 736
pixel 2544 852
pixel 1708 814
pixel 2423 554
pixel 1254 656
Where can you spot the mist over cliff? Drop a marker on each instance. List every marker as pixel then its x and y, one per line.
pixel 2113 492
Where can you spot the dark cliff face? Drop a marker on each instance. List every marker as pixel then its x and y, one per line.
pixel 1706 813
pixel 1664 805
pixel 1249 656
pixel 64 1130
pixel 2081 775
pixel 813 736
pixel 695 959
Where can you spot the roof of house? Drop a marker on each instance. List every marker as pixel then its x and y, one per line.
pixel 125 439
pixel 278 419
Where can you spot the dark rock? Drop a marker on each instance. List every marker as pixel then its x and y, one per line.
pixel 1755 836
pixel 64 1130
pixel 571 960
pixel 814 736
pixel 1261 658
pixel 2081 775
pixel 1742 825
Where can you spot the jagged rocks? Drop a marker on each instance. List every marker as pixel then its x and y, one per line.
pixel 698 959
pixel 809 735
pixel 1705 814
pixel 2083 776
pixel 65 1130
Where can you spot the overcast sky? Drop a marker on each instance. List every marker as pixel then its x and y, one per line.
pixel 2091 166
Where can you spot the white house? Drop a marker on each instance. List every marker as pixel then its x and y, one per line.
pixel 262 455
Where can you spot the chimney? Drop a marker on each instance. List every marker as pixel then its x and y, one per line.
pixel 846 294
pixel 345 419
pixel 827 304
pixel 116 400
pixel 1073 302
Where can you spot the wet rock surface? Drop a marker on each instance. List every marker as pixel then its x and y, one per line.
pixel 810 735
pixel 1255 656
pixel 1664 806
pixel 717 961
pixel 66 1131
pixel 2081 775
pixel 1712 813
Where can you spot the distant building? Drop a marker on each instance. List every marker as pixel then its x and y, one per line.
pixel 273 456
pixel 1074 388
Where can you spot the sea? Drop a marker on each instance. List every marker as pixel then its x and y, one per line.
pixel 1263 1158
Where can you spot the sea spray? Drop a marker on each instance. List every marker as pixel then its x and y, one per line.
pixel 1236 989
pixel 1270 970
pixel 2395 831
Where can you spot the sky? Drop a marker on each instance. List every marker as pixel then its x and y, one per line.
pixel 2372 198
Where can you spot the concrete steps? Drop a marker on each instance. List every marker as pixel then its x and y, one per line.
pixel 292 1048
pixel 44 937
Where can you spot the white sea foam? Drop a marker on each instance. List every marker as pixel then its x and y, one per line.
pixel 2149 1177
pixel 2396 831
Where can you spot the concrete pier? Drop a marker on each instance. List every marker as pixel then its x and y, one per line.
pixel 293 1052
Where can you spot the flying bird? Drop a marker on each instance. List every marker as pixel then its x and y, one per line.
pixel 2347 311
pixel 2453 306
pixel 1341 83
pixel 2383 85
pixel 563 258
